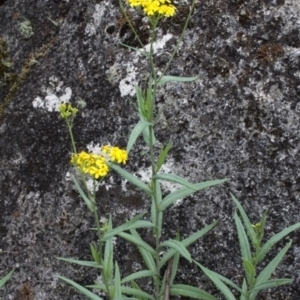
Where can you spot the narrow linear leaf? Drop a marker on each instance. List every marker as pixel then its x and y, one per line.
pixel 249 268
pixel 218 283
pixel 147 257
pixel 126 226
pixel 80 288
pixel 143 52
pixel 243 239
pixel 247 223
pixel 137 130
pixel 138 242
pixel 178 247
pixel 166 79
pixel 186 242
pixel 135 286
pixel 117 285
pixel 222 278
pixel 82 194
pixel 244 290
pixel 272 265
pixel 80 262
pixel 174 267
pixel 136 292
pixel 138 275
pixel 176 179
pixel 141 224
pixel 134 180
pixel 276 238
pixel 108 254
pixel 190 291
pixel 6 278
pixel 172 197
pixel 163 155
pixel 272 283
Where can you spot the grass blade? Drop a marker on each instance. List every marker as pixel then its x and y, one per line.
pixel 80 288
pixel 190 291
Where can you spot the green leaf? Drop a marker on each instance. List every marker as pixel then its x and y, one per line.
pixel 276 238
pixel 126 226
pixel 163 155
pixel 141 224
pixel 218 283
pixel 248 225
pixel 272 283
pixel 154 215
pixel 147 257
pixel 221 277
pixel 6 278
pixel 108 255
pixel 244 290
pixel 146 136
pixel 134 180
pixel 174 267
pixel 243 239
pixel 269 269
pixel 166 79
pixel 138 242
pixel 178 247
pixel 136 292
pixel 137 130
pixel 136 287
pixel 176 179
pixel 143 52
pixel 186 242
pixel 138 275
pixel 80 262
pixel 80 288
pixel 183 192
pixel 117 285
pixel 82 194
pixel 190 291
pixel 250 271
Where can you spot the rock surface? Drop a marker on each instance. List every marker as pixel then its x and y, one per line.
pixel 239 120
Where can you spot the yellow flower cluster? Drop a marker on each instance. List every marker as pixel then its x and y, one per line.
pixel 67 110
pixel 155 7
pixel 95 165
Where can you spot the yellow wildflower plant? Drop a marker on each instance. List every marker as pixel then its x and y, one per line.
pixel 95 165
pixel 67 110
pixel 162 8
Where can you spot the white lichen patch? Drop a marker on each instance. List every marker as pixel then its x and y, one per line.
pixel 127 84
pixel 55 96
pixel 159 44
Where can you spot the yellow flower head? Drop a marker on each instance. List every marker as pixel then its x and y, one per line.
pixel 155 7
pixel 67 110
pixel 95 165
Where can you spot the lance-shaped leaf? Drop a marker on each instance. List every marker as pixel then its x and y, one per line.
pixel 108 255
pixel 80 288
pixel 140 51
pixel 183 192
pixel 176 179
pixel 248 225
pixel 137 130
pixel 218 283
pixel 138 242
pixel 117 285
pixel 272 283
pixel 276 238
pixel 5 278
pixel 131 178
pixel 126 226
pixel 178 247
pixel 166 79
pixel 82 194
pixel 191 292
pixel 220 277
pixel 186 242
pixel 85 263
pixel 163 155
pixel 139 293
pixel 269 269
pixel 138 275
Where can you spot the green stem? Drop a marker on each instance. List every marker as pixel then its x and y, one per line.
pixel 179 40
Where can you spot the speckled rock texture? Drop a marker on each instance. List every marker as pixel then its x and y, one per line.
pixel 240 120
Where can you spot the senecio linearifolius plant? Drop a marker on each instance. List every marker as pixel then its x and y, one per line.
pixel 161 270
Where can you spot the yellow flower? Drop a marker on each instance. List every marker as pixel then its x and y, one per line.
pixel 155 7
pixel 95 165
